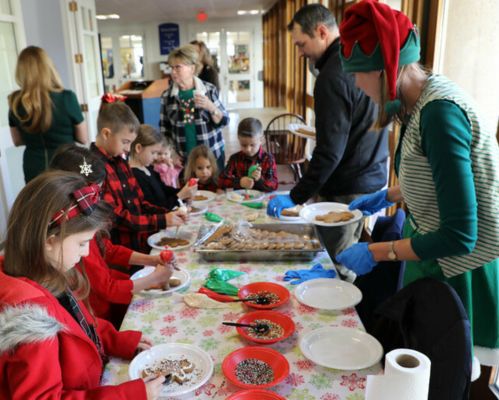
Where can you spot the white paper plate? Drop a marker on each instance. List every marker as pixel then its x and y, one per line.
pixel 328 294
pixel 201 209
pixel 182 234
pixel 292 219
pixel 294 128
pixel 341 348
pixel 309 212
pixel 175 351
pixel 237 196
pixel 206 193
pixel 183 275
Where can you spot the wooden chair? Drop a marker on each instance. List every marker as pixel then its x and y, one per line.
pixel 287 148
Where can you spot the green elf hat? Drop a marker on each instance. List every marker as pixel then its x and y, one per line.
pixel 374 37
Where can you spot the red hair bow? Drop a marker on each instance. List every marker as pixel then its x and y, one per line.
pixel 85 200
pixel 112 98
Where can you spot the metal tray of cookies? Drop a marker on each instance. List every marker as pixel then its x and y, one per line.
pixel 279 248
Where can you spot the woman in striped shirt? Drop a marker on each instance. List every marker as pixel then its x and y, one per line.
pixel 447 162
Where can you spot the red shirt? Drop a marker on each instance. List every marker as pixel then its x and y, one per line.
pixel 107 286
pixel 238 167
pixel 134 218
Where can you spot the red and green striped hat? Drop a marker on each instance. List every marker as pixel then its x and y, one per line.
pixel 374 37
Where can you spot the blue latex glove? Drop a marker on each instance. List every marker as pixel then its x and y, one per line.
pixel 302 275
pixel 279 203
pixel 357 258
pixel 371 203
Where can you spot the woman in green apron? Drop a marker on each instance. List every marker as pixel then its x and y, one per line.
pixel 447 162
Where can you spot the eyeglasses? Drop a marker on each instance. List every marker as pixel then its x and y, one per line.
pixel 178 67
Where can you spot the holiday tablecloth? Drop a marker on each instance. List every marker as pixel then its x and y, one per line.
pixel 168 319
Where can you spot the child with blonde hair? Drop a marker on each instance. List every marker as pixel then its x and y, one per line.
pixel 166 166
pixel 202 165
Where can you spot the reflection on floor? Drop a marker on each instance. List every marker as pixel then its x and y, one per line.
pixel 264 115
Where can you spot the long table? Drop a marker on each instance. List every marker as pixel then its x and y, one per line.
pixel 167 318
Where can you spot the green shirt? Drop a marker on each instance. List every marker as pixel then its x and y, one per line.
pixel 187 107
pixel 40 147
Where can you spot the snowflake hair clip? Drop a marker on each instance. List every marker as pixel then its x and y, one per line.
pixel 85 169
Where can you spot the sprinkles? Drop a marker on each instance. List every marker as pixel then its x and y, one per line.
pixel 275 330
pixel 254 372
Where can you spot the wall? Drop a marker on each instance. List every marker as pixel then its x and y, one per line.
pixel 471 56
pixel 152 56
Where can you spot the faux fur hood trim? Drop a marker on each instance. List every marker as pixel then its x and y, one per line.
pixel 24 324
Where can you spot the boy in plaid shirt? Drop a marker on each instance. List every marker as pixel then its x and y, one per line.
pixel 238 173
pixel 134 218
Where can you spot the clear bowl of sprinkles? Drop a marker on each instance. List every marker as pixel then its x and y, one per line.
pixel 280 326
pixel 273 294
pixel 255 367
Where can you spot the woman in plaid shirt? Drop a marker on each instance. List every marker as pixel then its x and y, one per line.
pixel 191 112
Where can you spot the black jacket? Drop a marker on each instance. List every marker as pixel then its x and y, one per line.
pixel 155 191
pixel 428 316
pixel 349 158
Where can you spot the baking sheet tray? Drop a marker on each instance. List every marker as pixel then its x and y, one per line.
pixel 210 255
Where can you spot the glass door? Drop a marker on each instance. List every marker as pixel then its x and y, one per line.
pixel 231 52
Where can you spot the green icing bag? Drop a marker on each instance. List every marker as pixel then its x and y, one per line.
pixel 256 205
pixel 252 169
pixel 213 217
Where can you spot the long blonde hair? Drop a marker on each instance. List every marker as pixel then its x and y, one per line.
pixel 37 77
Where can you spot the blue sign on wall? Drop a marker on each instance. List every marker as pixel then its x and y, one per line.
pixel 169 38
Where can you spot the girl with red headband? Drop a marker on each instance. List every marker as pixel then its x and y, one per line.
pixel 447 162
pixel 50 344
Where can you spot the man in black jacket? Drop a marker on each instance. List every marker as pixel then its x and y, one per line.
pixel 349 158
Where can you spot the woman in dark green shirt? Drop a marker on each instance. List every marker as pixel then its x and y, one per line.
pixel 42 115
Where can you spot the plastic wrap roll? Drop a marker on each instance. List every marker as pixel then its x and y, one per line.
pixel 407 377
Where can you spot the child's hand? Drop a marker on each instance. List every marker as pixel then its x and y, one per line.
pixel 246 183
pixel 144 344
pixel 257 174
pixel 187 191
pixel 154 387
pixel 161 276
pixel 176 218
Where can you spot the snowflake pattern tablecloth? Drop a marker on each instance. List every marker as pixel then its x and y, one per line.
pixel 167 318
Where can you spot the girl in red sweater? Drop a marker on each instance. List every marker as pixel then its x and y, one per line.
pixel 110 290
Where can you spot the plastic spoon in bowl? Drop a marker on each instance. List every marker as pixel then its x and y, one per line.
pixel 259 328
pixel 258 300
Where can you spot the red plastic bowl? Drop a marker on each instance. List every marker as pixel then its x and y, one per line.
pixel 284 321
pixel 254 288
pixel 254 394
pixel 273 358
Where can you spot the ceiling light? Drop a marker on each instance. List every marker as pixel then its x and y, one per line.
pixel 242 12
pixel 254 12
pixel 109 16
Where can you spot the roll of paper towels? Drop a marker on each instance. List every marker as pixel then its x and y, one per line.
pixel 407 377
